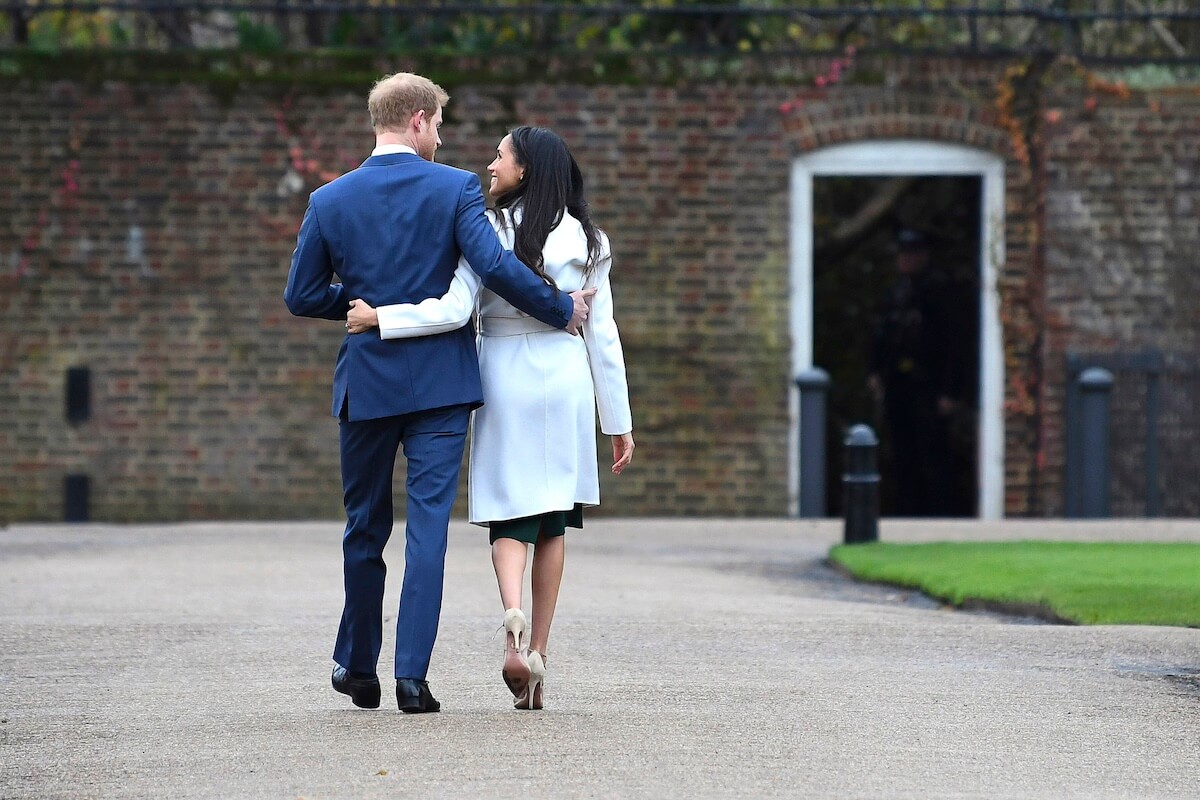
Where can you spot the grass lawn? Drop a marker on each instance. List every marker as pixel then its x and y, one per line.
pixel 1134 583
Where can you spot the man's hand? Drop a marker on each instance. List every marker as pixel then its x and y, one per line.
pixel 582 307
pixel 361 317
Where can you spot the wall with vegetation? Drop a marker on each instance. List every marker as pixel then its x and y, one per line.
pixel 150 206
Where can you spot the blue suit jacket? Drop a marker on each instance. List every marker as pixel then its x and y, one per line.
pixel 393 230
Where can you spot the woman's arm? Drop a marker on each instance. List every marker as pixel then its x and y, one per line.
pixel 607 360
pixel 434 315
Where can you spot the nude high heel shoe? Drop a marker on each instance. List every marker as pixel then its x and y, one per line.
pixel 531 698
pixel 516 668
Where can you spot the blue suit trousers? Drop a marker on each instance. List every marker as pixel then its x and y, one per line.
pixel 433 443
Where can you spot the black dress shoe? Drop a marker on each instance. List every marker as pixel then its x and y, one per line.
pixel 363 691
pixel 413 696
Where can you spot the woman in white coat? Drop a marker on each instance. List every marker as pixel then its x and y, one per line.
pixel 533 456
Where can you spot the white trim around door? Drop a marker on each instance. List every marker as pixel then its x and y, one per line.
pixel 907 157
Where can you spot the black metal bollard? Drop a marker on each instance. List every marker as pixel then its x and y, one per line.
pixel 1095 386
pixel 814 387
pixel 77 486
pixel 76 498
pixel 861 485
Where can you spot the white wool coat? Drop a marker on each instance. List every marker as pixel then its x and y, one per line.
pixel 533 443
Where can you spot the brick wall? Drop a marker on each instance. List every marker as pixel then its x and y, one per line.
pixel 147 228
pixel 1122 250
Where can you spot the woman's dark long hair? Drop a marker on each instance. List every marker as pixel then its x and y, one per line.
pixel 553 182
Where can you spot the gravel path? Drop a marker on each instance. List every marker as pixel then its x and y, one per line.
pixel 690 659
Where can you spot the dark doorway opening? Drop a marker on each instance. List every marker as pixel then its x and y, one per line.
pixel 896 324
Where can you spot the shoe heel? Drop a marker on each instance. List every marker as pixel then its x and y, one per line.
pixel 535 695
pixel 531 700
pixel 514 625
pixel 516 669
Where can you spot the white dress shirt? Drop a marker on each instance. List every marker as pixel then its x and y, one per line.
pixel 391 149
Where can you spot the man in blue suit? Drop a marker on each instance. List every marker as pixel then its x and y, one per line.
pixel 393 231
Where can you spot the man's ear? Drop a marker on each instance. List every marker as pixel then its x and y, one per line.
pixel 417 119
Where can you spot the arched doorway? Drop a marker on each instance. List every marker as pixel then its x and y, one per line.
pixel 889 158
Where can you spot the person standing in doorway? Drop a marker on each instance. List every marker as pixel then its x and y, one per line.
pixel 915 375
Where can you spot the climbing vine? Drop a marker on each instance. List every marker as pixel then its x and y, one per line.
pixel 63 199
pixel 1024 313
pixel 837 69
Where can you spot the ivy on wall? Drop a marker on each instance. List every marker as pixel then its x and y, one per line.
pixel 1019 100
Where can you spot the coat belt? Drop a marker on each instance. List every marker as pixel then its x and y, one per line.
pixel 512 326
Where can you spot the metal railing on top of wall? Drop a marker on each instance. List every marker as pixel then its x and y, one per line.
pixel 1098 30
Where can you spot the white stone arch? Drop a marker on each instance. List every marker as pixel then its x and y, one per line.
pixel 908 157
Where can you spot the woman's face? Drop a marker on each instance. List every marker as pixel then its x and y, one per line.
pixel 505 171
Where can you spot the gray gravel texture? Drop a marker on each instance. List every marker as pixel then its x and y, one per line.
pixel 690 659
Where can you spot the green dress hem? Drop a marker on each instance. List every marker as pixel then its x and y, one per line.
pixel 528 529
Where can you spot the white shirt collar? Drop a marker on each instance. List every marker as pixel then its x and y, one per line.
pixel 392 149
